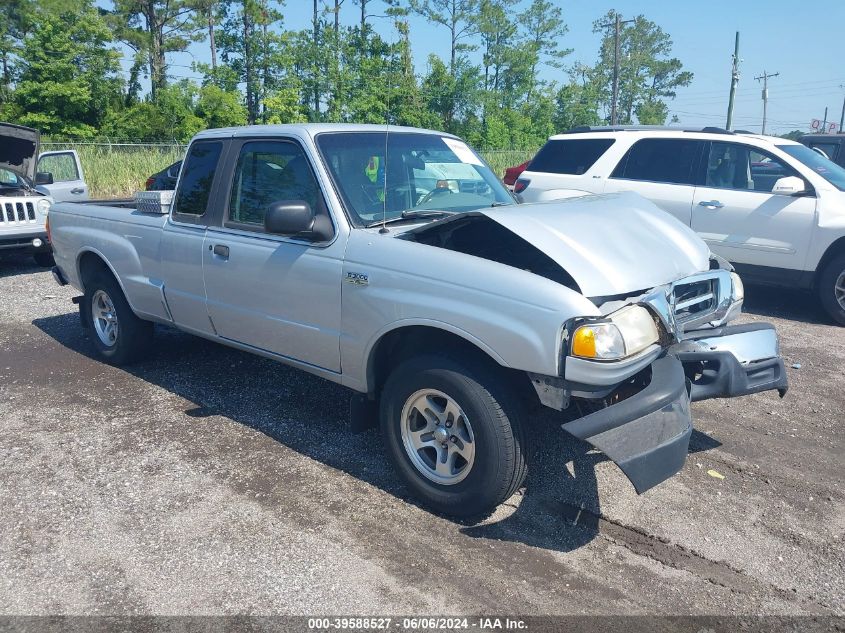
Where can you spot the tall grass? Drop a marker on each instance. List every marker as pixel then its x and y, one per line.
pixel 118 171
pixel 501 159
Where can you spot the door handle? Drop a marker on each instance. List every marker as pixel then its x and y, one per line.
pixel 221 251
pixel 711 204
pixel 78 190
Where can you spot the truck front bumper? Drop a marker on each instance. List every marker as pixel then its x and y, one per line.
pixel 647 434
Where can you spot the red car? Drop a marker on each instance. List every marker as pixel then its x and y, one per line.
pixel 512 173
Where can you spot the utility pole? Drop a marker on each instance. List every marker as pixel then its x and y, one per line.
pixel 824 123
pixel 616 24
pixel 734 82
pixel 765 79
pixel 842 116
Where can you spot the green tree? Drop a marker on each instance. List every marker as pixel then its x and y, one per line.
pixel 68 78
pixel 497 32
pixel 544 28
pixel 576 104
pixel 220 108
pixel 456 15
pixel 247 43
pixel 647 74
pixel 454 96
pixel 154 28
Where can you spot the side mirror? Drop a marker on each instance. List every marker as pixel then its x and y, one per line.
pixel 289 217
pixel 789 186
pixel 296 217
pixel 43 178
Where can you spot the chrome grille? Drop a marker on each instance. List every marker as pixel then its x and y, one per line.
pixel 694 300
pixel 15 213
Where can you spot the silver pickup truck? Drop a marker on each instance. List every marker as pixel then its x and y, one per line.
pixel 394 262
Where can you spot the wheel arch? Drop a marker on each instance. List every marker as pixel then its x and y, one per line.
pixel 836 248
pixel 91 261
pixel 405 341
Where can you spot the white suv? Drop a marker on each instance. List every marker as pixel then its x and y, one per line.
pixel 772 207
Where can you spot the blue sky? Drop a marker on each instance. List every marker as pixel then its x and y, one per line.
pixel 802 42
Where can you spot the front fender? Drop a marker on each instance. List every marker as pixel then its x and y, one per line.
pixel 515 316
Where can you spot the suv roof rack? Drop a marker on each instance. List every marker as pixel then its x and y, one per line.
pixel 635 128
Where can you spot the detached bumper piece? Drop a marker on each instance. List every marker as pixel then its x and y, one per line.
pixel 646 435
pixel 732 361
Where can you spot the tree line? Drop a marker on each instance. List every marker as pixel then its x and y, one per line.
pixel 62 73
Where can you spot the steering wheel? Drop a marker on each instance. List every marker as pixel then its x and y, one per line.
pixel 371 193
pixel 434 193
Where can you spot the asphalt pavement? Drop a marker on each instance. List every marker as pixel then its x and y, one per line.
pixel 209 481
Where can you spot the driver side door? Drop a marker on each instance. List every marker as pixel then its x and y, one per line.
pixel 736 212
pixel 270 292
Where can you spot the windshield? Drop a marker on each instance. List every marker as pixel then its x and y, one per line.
pixel 828 170
pixel 425 173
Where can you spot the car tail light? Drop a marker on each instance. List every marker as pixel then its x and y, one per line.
pixel 521 185
pixel 149 183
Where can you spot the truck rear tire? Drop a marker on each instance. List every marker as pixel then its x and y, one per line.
pixel 118 335
pixel 831 288
pixel 453 431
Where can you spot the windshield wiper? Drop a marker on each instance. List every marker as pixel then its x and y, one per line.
pixel 413 214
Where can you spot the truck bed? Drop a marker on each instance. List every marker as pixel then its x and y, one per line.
pixel 117 233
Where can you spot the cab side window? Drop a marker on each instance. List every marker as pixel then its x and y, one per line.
pixel 191 199
pixel 669 161
pixel 743 168
pixel 268 172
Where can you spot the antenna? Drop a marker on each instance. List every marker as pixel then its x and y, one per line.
pixel 384 228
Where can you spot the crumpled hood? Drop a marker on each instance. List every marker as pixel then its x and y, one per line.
pixel 19 149
pixel 610 244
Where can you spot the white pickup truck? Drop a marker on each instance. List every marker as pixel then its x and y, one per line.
pixel 394 262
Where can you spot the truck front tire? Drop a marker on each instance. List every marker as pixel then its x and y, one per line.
pixel 453 431
pixel 118 335
pixel 831 288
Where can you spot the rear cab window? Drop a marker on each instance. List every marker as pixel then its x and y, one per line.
pixel 661 160
pixel 569 156
pixel 190 202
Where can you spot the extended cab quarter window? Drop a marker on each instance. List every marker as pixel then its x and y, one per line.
pixel 569 156
pixel 664 160
pixel 197 177
pixel 268 172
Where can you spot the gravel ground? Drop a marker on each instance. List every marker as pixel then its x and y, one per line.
pixel 208 481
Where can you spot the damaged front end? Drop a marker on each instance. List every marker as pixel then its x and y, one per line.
pixel 637 399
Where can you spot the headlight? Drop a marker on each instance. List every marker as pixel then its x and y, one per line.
pixel 629 331
pixel 43 206
pixel 738 293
